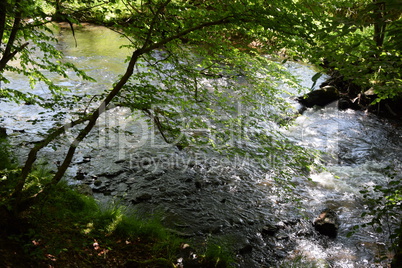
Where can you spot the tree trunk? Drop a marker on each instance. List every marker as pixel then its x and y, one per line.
pixel 379 22
pixel 3 13
pixel 7 54
pixel 34 152
pixel 21 203
pixel 58 14
pixel 397 261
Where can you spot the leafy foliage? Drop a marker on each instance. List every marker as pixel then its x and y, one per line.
pixel 8 170
pixel 190 58
pixel 28 49
pixel 209 90
pixel 202 103
pixel 219 256
pixel 384 208
pixel 358 40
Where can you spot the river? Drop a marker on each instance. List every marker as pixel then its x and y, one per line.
pixel 205 197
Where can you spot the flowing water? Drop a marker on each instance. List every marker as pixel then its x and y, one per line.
pixel 206 197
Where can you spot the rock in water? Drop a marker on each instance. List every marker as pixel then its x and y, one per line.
pixel 320 97
pixel 327 223
pixel 84 189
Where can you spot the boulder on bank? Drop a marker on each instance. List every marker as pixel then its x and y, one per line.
pixel 327 223
pixel 320 97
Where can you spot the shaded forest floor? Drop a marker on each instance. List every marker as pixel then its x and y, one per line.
pixel 72 230
pixel 110 253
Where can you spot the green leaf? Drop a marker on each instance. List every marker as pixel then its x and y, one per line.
pixel 315 79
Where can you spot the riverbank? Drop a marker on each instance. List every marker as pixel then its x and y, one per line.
pixel 70 229
pixel 353 96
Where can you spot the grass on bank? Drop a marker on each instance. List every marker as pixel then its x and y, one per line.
pixel 69 229
pixel 72 230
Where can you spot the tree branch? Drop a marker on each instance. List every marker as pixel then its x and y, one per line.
pixel 6 58
pixel 3 13
pixel 34 152
pixel 128 4
pixel 14 31
pixel 26 203
pixel 153 22
pixel 157 123
pixel 7 55
pixel 21 205
pixel 185 32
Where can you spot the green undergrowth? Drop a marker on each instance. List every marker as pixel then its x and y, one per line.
pixel 69 229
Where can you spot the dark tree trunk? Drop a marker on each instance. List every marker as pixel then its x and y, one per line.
pixel 58 14
pixel 8 54
pixel 3 13
pixel 379 23
pixel 397 261
pixel 22 203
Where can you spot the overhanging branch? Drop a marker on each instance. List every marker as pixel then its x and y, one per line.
pixel 6 58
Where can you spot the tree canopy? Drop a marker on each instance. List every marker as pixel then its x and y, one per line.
pixel 361 41
pixel 220 41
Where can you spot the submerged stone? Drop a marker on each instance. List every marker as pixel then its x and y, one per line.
pixel 270 230
pixel 142 198
pixel 84 189
pixel 80 176
pixel 327 223
pixel 246 249
pixel 122 187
